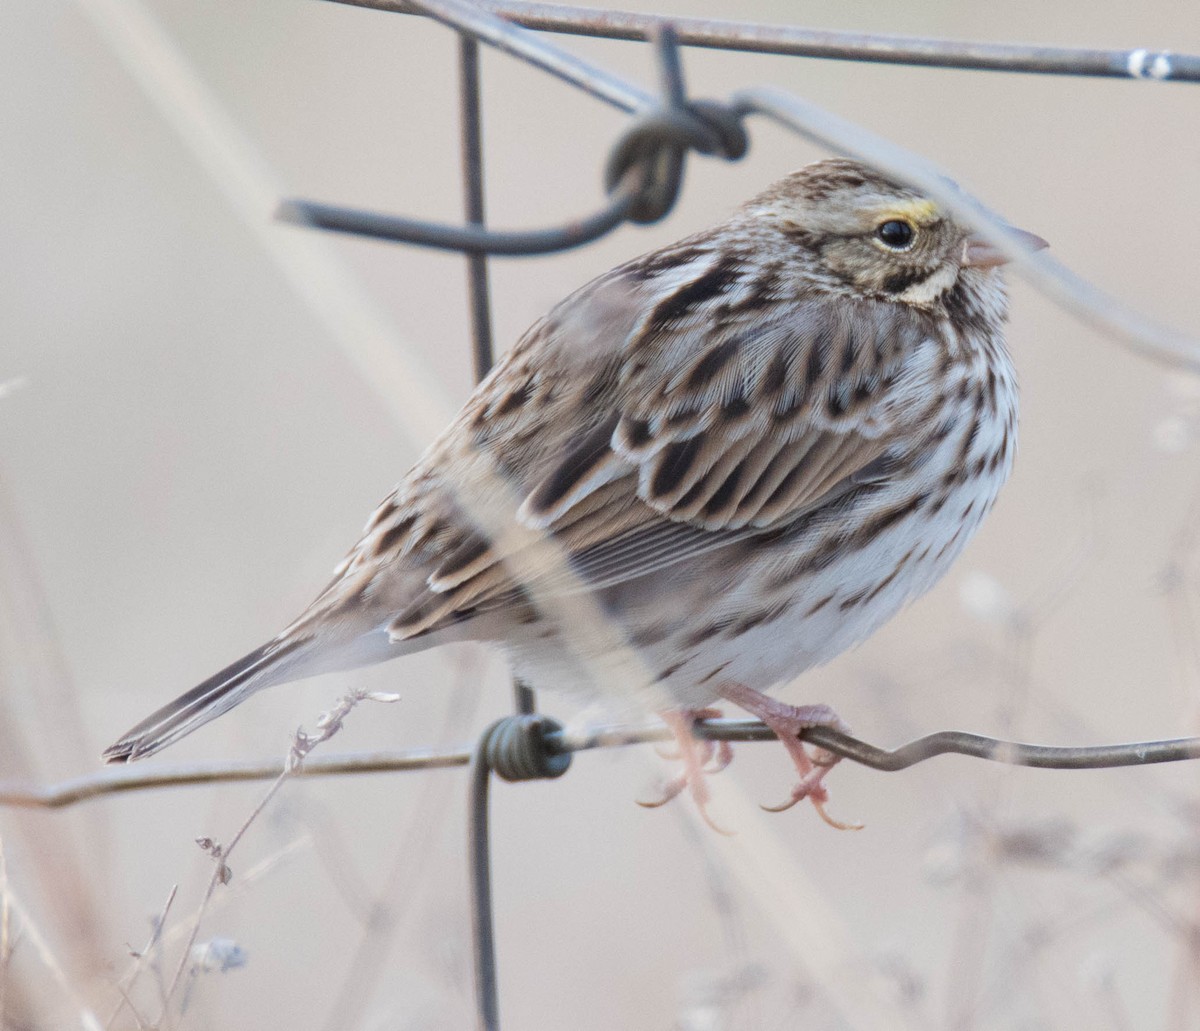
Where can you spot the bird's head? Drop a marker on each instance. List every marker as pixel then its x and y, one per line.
pixel 856 231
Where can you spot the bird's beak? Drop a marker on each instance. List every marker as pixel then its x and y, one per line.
pixel 980 253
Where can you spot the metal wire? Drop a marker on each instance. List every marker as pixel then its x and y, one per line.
pixel 643 177
pixel 115 780
pixel 471 133
pixel 489 28
pixel 483 931
pixel 1138 63
pixel 485 758
pixel 945 742
pixel 459 238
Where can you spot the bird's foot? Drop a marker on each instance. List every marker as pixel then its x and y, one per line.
pixel 699 758
pixel 788 722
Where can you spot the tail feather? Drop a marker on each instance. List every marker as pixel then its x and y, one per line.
pixel 217 695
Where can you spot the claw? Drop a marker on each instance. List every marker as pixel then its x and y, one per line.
pixel 782 807
pixel 699 757
pixel 837 825
pixel 810 787
pixel 713 825
pixel 818 800
pixel 723 757
pixel 647 803
pixel 789 722
pixel 671 789
pixel 819 805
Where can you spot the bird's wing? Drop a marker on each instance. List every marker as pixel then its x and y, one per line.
pixel 696 438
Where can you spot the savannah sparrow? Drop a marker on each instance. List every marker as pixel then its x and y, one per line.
pixel 728 461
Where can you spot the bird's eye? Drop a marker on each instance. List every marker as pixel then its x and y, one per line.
pixel 896 234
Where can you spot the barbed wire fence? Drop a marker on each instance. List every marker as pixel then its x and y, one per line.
pixel 644 177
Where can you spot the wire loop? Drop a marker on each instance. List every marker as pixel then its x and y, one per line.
pixel 516 748
pixel 643 177
pixel 655 147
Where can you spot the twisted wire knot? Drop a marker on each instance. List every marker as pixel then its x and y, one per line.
pixel 649 156
pixel 515 748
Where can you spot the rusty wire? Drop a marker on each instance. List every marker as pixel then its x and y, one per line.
pixel 1139 63
pixel 117 780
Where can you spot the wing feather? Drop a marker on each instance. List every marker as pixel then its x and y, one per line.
pixel 697 438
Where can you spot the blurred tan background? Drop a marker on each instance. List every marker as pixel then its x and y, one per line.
pixel 185 452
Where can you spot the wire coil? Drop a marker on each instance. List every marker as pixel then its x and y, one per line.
pixel 517 748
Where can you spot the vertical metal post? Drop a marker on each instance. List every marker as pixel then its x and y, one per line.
pixel 487 990
pixel 479 850
pixel 513 748
pixel 477 271
pixel 471 122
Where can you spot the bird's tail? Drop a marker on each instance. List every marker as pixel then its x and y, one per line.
pixel 217 695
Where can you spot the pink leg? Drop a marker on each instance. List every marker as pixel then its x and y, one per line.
pixel 788 721
pixel 699 758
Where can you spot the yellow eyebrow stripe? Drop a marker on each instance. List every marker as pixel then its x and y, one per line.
pixel 918 210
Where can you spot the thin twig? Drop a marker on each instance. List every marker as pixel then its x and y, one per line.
pixel 126 983
pixel 401 887
pixel 328 724
pixel 220 875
